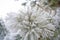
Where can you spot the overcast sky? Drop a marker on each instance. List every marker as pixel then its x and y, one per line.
pixel 7 6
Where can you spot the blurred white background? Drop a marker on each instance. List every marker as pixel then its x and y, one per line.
pixel 7 6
